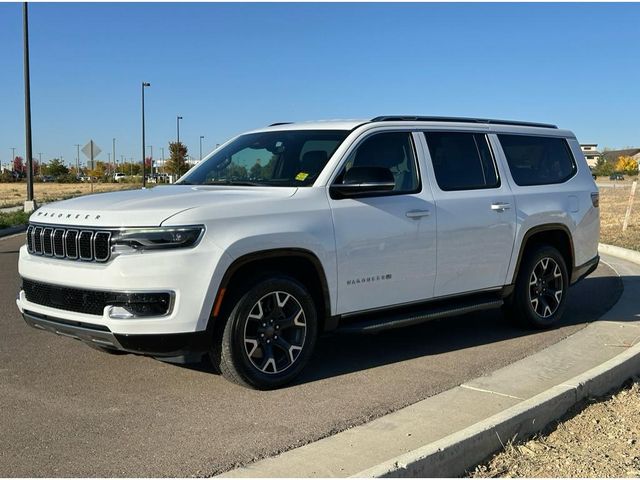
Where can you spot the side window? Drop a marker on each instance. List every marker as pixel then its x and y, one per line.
pixel 392 150
pixel 538 160
pixel 462 161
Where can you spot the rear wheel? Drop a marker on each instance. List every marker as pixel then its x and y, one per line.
pixel 269 335
pixel 540 293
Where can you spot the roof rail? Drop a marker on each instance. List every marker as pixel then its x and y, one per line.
pixel 280 123
pixel 414 118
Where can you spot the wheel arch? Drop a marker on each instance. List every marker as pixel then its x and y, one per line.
pixel 557 235
pixel 301 264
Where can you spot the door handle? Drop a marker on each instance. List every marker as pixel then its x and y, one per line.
pixel 500 206
pixel 418 213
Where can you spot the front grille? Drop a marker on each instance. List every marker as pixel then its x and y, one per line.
pixel 65 298
pixel 69 243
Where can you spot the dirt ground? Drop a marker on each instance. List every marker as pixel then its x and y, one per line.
pixel 12 194
pixel 598 438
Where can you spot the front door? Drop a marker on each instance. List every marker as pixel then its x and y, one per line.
pixel 386 243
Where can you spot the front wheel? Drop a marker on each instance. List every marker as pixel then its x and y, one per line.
pixel 542 284
pixel 269 335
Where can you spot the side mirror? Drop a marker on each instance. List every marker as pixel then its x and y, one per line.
pixel 363 181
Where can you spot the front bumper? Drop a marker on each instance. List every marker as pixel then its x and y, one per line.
pixel 193 275
pixel 180 345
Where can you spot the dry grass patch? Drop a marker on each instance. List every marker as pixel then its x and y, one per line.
pixel 598 438
pixel 613 205
pixel 12 194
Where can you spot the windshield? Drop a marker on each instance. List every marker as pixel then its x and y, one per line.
pixel 282 158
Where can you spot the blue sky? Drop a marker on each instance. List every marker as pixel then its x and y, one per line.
pixel 227 68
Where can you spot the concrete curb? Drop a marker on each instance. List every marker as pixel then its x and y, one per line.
pixel 5 232
pixel 453 455
pixel 623 253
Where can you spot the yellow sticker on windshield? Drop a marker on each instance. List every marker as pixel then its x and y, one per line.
pixel 302 176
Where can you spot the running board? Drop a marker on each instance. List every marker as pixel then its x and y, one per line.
pixel 414 317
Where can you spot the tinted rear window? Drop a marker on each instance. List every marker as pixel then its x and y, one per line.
pixel 538 160
pixel 462 161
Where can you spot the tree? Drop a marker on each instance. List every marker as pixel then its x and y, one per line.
pixel 177 163
pixel 18 165
pixel 602 168
pixel 627 165
pixel 57 168
pixel 148 164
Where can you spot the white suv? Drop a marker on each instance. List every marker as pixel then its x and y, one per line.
pixel 296 229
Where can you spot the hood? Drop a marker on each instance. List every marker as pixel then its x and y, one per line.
pixel 149 207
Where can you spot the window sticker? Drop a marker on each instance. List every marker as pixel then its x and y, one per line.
pixel 302 176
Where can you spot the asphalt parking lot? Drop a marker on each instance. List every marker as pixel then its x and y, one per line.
pixel 69 410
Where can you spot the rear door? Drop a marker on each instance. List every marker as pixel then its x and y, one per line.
pixel 475 211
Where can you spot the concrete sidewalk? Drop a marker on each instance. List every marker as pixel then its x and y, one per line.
pixel 448 433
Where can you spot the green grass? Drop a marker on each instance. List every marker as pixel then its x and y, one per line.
pixel 13 218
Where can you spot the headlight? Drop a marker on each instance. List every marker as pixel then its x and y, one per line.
pixel 158 238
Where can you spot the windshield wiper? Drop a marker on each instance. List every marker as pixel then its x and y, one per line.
pixel 233 182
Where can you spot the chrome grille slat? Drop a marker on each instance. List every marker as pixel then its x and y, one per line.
pixel 85 245
pixel 30 238
pixel 37 240
pixel 69 243
pixel 58 242
pixel 47 244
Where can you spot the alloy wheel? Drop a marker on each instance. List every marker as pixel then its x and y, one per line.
pixel 546 287
pixel 275 332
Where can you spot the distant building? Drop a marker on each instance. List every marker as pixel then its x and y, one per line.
pixel 613 155
pixel 591 153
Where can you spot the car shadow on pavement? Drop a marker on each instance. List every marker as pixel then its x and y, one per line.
pixel 343 353
pixel 339 354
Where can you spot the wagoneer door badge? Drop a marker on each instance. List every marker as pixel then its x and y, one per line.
pixel 373 278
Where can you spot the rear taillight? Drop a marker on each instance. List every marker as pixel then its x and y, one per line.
pixel 595 199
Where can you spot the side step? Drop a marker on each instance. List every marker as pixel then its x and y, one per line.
pixel 377 322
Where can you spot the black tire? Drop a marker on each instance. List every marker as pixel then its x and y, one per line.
pixel 538 304
pixel 270 315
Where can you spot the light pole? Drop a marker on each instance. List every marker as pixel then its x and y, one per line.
pixel 29 204
pixel 40 163
pixel 13 158
pixel 115 159
pixel 150 147
pixel 178 118
pixel 144 180
pixel 77 145
pixel 201 137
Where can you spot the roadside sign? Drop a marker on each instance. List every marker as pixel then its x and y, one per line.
pixel 91 151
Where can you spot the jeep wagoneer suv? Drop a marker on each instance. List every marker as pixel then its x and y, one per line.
pixel 299 228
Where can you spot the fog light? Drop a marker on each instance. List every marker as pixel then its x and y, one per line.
pixel 137 305
pixel 119 313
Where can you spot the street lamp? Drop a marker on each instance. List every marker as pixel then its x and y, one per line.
pixel 178 118
pixel 144 180
pixel 201 137
pixel 115 159
pixel 29 204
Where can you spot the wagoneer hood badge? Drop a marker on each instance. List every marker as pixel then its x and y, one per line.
pixel 149 207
